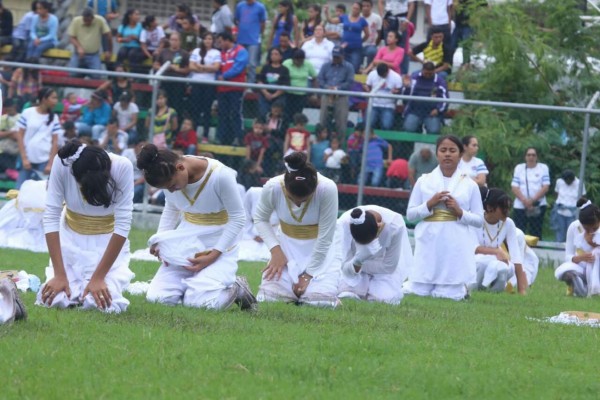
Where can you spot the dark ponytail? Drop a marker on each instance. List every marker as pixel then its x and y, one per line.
pixel 493 198
pixel 301 176
pixel 365 232
pixel 582 200
pixel 43 94
pixel 589 215
pixel 92 171
pixel 159 166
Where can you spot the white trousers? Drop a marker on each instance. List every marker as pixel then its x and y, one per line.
pixel 383 288
pixel 492 274
pixel 453 292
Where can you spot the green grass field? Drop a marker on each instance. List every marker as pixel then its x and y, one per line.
pixel 425 348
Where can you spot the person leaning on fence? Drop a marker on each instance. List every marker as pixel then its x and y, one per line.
pixel 387 81
pixel 86 33
pixel 530 183
pixel 43 34
pixel 304 267
pixel 565 208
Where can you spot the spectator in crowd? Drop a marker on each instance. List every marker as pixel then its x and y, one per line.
pixel 407 29
pixel 138 176
pixel 9 148
pixel 117 85
pixel 179 68
pixel 385 81
pixel 151 38
pixel 285 21
pixel 470 164
pixel 205 62
pixel 530 183
pixel 397 174
pixel 301 72
pixel 69 132
pixel 43 32
pixel 6 25
pixel 222 18
pixel 285 46
pixel 250 18
pixel 165 122
pixel 336 75
pixel 128 36
pixel 233 69
pixel 108 9
pixel 393 13
pixel 182 11
pixel 256 143
pixel 187 139
pixel 72 105
pixel 86 33
pixel 126 112
pixel 418 113
pixel 438 17
pixel 189 37
pixel 391 54
pixel 376 164
pixel 434 51
pixel 463 31
pixel 113 139
pixel 308 27
pixel 565 209
pixel 318 49
pixel 249 175
pixel 334 158
pixel 20 35
pixel 374 25
pixel 352 41
pixel 354 147
pixel 334 31
pixel 38 132
pixel 272 73
pixel 319 144
pixel 297 138
pixel 420 162
pixel 94 116
pixel 25 85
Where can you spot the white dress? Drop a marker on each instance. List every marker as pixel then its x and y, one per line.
pixel 81 253
pixel 21 219
pixel 571 250
pixel 380 277
pixel 250 249
pixel 531 261
pixel 492 273
pixel 314 254
pixel 444 257
pixel 215 195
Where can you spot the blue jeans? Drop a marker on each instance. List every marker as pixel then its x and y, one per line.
pixel 462 35
pixel 413 123
pixel 33 173
pixel 354 57
pixel 138 193
pixel 369 53
pixel 385 117
pixel 35 52
pixel 84 129
pixel 88 61
pixel 253 59
pixel 560 225
pixel 376 175
pixel 230 117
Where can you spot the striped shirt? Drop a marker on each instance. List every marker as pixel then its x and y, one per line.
pixel 530 181
pixel 38 134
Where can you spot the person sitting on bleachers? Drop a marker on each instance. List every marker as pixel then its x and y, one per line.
pixel 87 34
pixel 20 35
pixel 113 139
pixel 25 85
pixel 182 11
pixel 9 148
pixel 72 105
pixel 6 25
pixel 94 116
pixel 129 37
pixel 117 85
pixel 436 51
pixel 43 33
pixel 387 81
pixel 151 37
pixel 126 111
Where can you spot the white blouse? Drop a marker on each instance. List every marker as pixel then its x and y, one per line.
pixel 493 235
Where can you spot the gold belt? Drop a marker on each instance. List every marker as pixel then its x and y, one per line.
pixel 218 218
pixel 302 232
pixel 440 215
pixel 89 225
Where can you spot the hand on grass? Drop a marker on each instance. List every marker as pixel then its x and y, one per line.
pixel 276 264
pixel 54 287
pixel 99 291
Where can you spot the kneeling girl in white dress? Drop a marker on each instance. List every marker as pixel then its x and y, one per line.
pixel 447 205
pixel 531 262
pixel 498 256
pixel 375 253
pixel 304 265
pixel 87 241
pixel 199 231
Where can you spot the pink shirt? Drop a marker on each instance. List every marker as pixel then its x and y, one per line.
pixel 394 57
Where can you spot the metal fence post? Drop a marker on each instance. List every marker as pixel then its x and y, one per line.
pixel 584 148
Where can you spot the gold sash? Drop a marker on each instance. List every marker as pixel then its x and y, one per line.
pixel 12 194
pixel 217 218
pixel 579 252
pixel 531 241
pixel 440 215
pixel 302 232
pixel 89 225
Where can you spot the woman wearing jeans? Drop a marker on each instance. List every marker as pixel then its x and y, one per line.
pixel 354 25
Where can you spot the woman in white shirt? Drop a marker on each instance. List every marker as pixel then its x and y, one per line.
pixel 470 164
pixel 498 256
pixel 448 206
pixel 205 61
pixel 375 252
pixel 87 241
pixel 38 132
pixel 199 232
pixel 565 208
pixel 304 266
pixel 318 49
pixel 530 183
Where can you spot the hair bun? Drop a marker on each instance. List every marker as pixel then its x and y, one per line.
pixel 296 160
pixel 147 156
pixel 69 149
pixel 356 213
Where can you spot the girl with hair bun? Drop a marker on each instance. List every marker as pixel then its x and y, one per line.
pixel 199 232
pixel 304 267
pixel 376 254
pixel 87 241
pixel 498 256
pixel 581 271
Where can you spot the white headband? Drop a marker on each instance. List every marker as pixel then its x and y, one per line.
pixel 290 169
pixel 360 220
pixel 584 205
pixel 70 160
